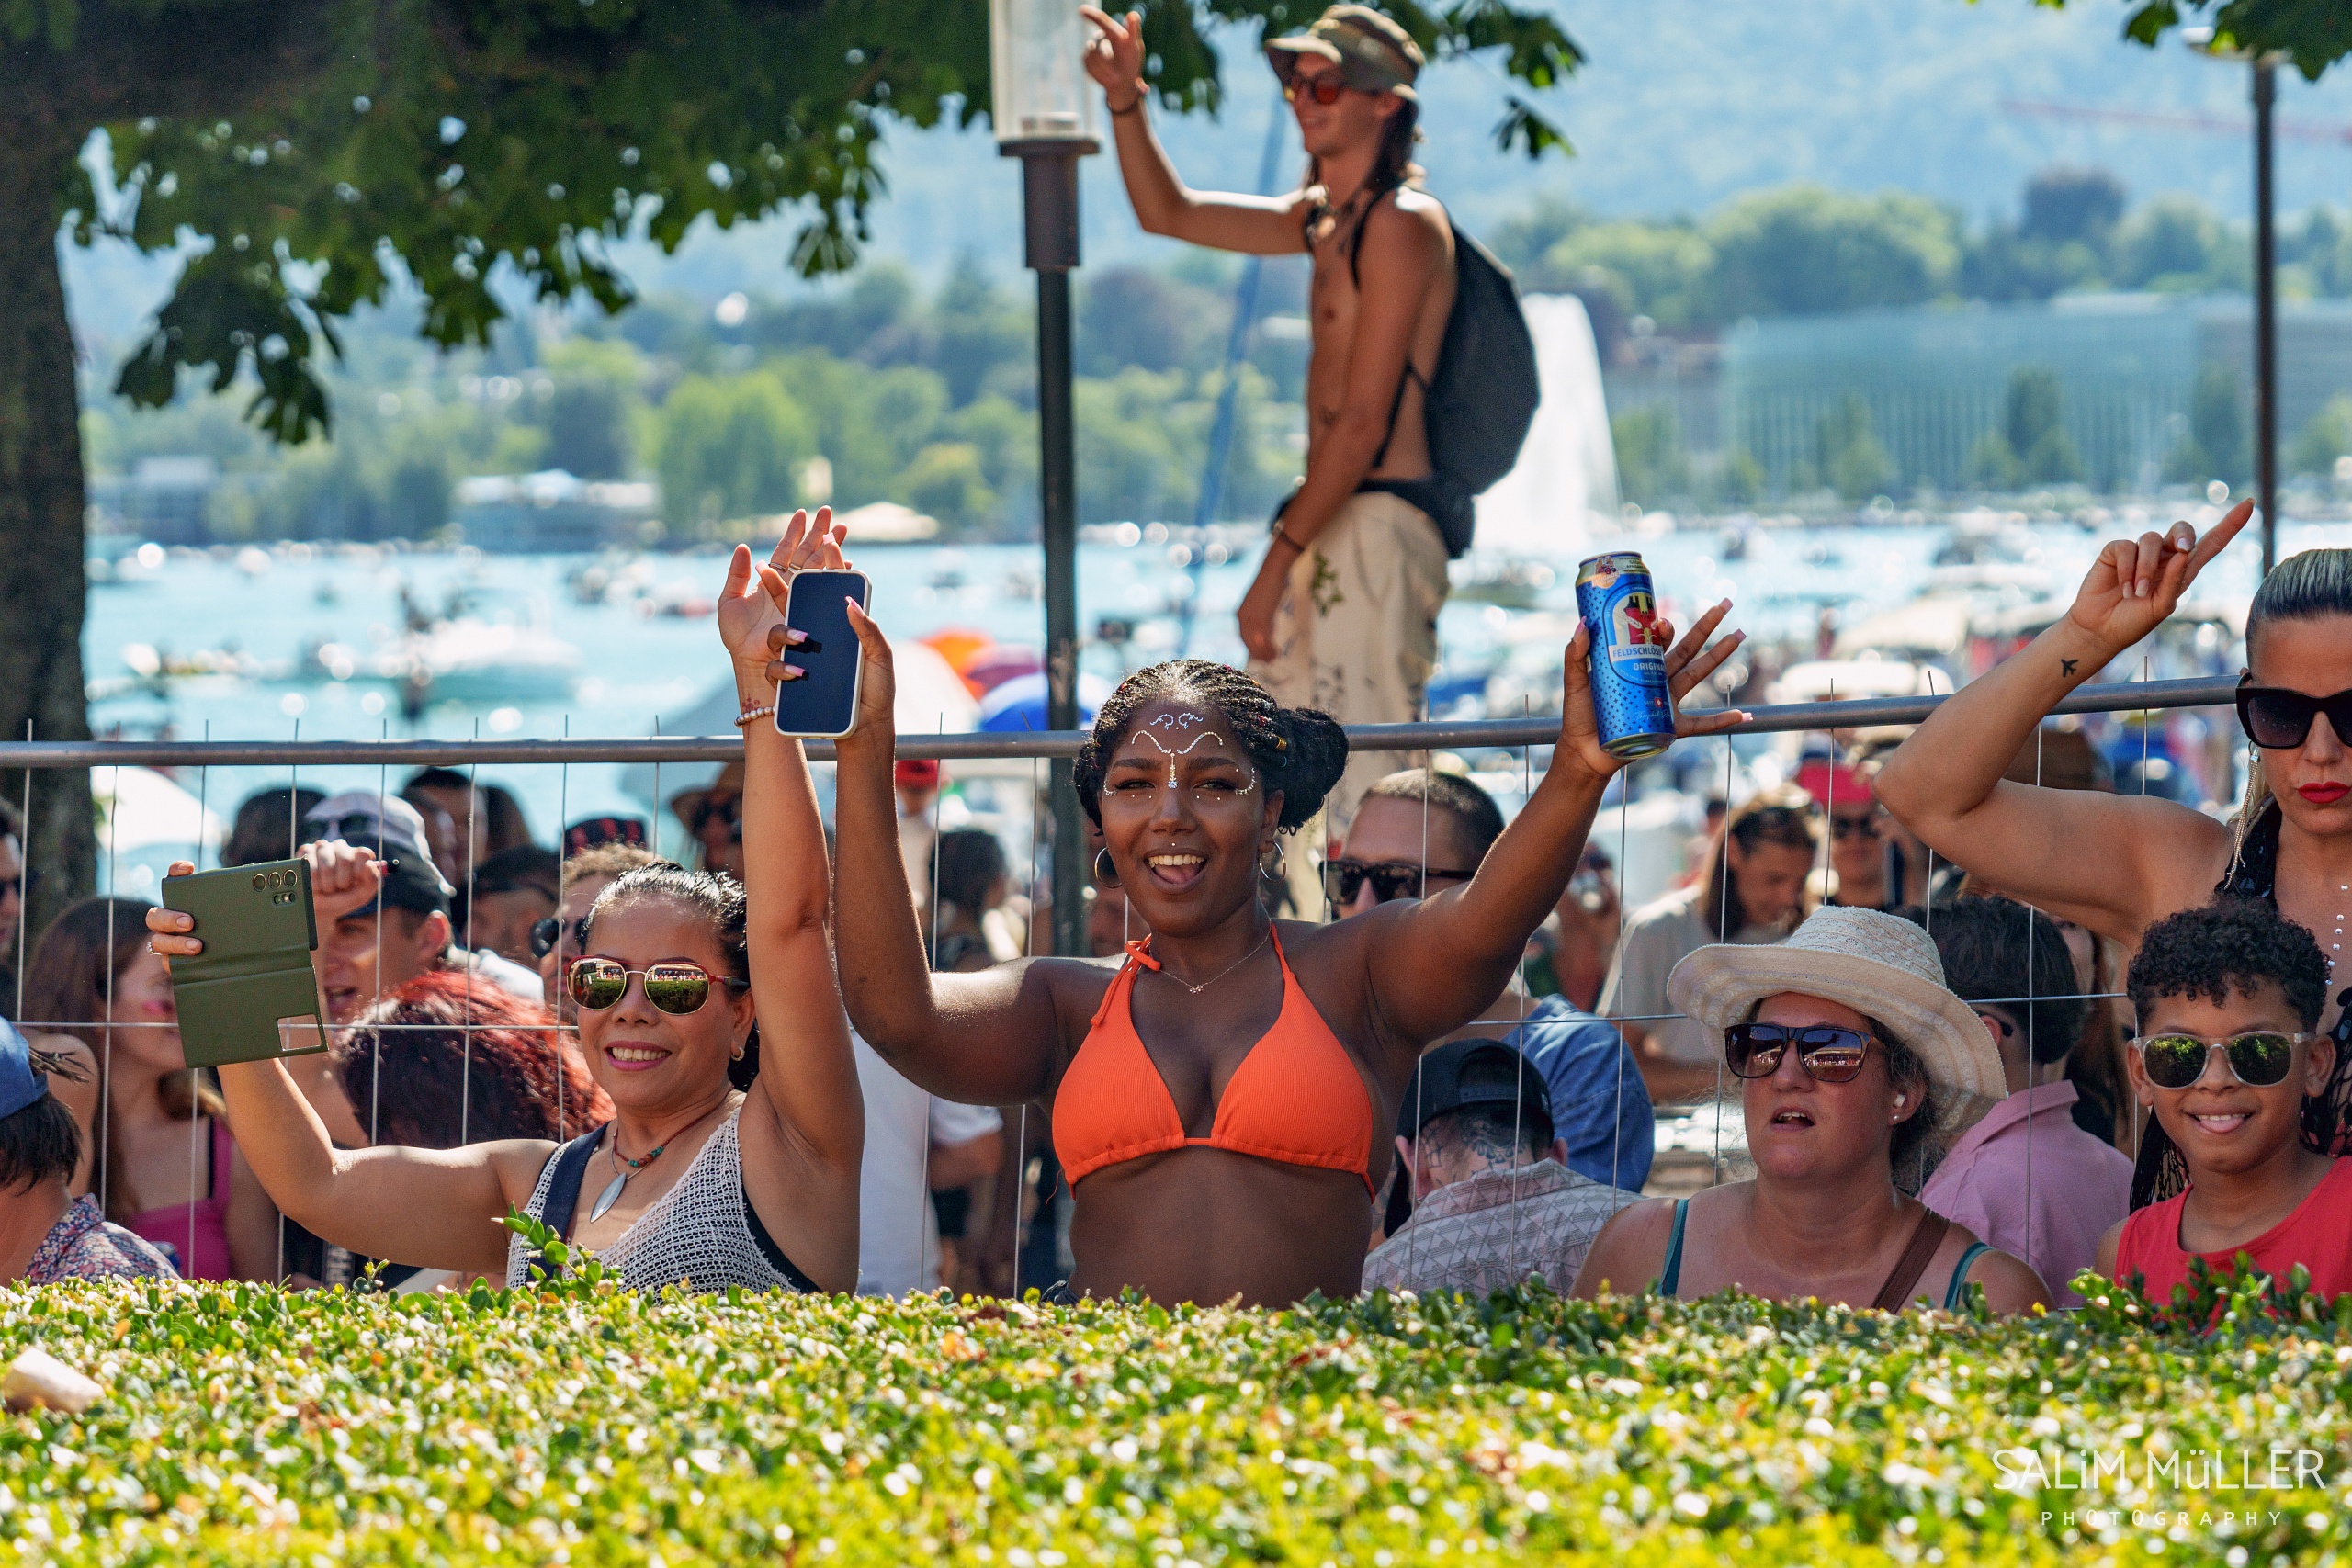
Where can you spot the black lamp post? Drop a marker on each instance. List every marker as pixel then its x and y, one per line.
pixel 2265 281
pixel 1044 109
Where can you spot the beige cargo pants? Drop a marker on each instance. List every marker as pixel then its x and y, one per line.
pixel 1356 635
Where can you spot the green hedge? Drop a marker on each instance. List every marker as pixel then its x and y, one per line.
pixel 577 1425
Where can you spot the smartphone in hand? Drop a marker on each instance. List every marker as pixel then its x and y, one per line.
pixel 822 703
pixel 237 997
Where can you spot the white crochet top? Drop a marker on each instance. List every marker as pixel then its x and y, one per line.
pixel 700 1234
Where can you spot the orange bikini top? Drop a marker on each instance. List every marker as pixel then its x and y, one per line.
pixel 1295 1097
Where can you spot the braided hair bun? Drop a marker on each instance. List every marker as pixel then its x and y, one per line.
pixel 1300 752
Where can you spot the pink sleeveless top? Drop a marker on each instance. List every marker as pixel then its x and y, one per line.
pixel 196 1234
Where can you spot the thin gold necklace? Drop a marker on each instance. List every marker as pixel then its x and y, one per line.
pixel 1229 969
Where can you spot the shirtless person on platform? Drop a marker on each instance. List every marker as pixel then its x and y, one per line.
pixel 1344 613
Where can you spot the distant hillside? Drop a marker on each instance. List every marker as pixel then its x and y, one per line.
pixel 1685 102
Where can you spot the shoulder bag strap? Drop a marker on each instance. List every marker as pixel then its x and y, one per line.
pixel 563 1192
pixel 1926 1237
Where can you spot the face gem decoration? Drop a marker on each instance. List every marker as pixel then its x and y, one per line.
pixel 1177 723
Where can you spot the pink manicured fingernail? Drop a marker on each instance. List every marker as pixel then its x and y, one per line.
pixel 792 671
pixel 794 637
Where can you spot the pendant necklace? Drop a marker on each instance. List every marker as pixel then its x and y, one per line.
pixel 612 1189
pixel 1211 980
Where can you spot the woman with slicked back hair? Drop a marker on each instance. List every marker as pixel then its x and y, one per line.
pixel 2118 863
pixel 1219 1098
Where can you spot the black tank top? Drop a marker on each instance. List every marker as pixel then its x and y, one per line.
pixel 2327 1117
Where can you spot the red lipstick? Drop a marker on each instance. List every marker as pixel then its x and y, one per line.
pixel 2324 794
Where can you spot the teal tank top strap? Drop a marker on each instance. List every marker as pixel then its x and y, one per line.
pixel 1958 1290
pixel 1669 1274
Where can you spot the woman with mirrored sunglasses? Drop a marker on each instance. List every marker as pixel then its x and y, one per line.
pixel 2116 864
pixel 712 1172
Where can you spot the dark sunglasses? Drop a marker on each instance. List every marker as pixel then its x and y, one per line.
pixel 1324 88
pixel 1343 880
pixel 2259 1058
pixel 598 983
pixel 359 828
pixel 1826 1054
pixel 1847 827
pixel 729 811
pixel 2278 719
pixel 545 933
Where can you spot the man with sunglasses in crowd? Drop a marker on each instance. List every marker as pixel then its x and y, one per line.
pixel 1598 1104
pixel 2227 1056
pixel 1342 615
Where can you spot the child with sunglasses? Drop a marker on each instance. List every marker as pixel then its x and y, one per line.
pixel 2226 1058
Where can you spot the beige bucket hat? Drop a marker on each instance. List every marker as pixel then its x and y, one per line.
pixel 1881 965
pixel 1374 54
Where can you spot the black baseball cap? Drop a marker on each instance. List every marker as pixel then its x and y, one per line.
pixel 1475 1073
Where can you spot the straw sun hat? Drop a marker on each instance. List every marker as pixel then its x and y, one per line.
pixel 1881 965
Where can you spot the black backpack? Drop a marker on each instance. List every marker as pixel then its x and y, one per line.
pixel 1476 410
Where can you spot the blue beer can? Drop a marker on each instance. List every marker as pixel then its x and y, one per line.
pixel 1627 661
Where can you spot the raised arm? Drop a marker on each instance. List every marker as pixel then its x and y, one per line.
pixel 1261 225
pixel 1433 963
pixel 992 1038
pixel 436 1208
pixel 807 1088
pixel 2108 862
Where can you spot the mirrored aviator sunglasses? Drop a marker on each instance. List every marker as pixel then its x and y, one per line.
pixel 1827 1054
pixel 2259 1058
pixel 599 983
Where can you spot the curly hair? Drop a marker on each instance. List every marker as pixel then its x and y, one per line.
pixel 2230 942
pixel 718 898
pixel 443 1061
pixel 1300 752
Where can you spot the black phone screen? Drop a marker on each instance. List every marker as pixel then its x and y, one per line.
pixel 824 700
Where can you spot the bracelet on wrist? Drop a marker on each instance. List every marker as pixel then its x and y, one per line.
pixel 1134 105
pixel 1283 535
pixel 764 710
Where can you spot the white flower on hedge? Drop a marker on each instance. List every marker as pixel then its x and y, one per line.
pixel 1690 1505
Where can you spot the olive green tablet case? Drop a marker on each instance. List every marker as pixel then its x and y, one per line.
pixel 259 932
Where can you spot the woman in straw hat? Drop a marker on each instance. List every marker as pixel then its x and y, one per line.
pixel 1852 1057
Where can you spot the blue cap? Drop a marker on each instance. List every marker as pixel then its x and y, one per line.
pixel 20 1085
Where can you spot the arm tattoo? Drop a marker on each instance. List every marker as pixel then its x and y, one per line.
pixel 2066 666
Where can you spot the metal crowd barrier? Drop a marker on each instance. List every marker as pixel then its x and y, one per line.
pixel 1711 1118
pixel 1465 735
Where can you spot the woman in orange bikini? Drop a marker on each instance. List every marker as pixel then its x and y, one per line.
pixel 1218 1098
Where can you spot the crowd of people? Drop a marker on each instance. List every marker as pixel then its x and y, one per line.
pixel 2102 1033
pixel 781 1068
